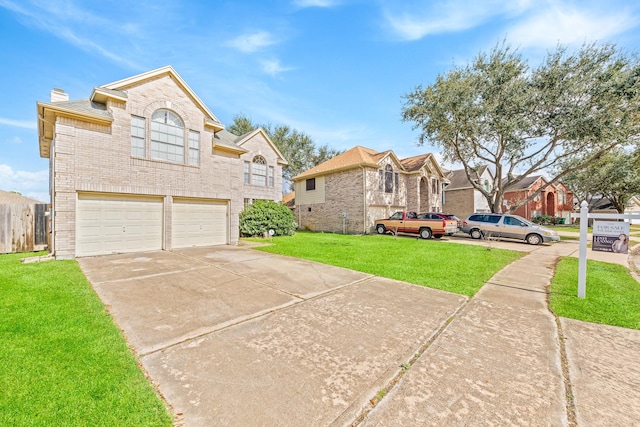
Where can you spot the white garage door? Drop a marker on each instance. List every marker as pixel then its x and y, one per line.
pixel 108 224
pixel 198 223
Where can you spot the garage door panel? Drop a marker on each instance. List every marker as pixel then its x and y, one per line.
pixel 199 223
pixel 112 224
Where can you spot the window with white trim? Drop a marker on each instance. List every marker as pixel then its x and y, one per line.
pixel 271 176
pixel 259 171
pixel 388 179
pixel 194 148
pixel 167 137
pixel 247 172
pixel 138 135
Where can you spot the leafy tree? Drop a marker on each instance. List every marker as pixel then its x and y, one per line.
pixel 497 110
pixel 297 147
pixel 615 176
pixel 264 215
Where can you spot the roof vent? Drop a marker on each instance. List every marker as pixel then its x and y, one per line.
pixel 58 95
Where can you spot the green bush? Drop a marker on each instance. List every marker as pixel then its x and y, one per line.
pixel 264 215
pixel 546 220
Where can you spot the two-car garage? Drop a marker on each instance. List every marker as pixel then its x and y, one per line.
pixel 110 223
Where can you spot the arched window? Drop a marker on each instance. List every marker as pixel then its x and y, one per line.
pixel 259 171
pixel 167 136
pixel 388 179
pixel 486 185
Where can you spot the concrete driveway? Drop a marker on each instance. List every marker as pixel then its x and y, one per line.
pixel 233 336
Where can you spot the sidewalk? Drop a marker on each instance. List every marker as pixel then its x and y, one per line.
pixel 500 362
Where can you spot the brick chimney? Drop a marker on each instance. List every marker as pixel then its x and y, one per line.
pixel 58 95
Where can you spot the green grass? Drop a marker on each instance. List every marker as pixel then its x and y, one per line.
pixel 63 362
pixel 612 295
pixel 458 268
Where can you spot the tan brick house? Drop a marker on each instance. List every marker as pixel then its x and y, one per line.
pixel 347 193
pixel 143 164
pixel 461 198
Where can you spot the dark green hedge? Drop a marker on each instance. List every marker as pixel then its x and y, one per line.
pixel 264 215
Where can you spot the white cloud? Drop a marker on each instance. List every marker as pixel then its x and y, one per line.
pixel 26 124
pixel 57 19
pixel 29 184
pixel 273 67
pixel 252 42
pixel 419 19
pixel 564 24
pixel 315 3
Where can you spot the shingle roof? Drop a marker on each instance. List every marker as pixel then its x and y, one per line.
pixel 523 184
pixel 83 106
pixel 352 158
pixel 227 139
pixel 459 178
pixel 9 198
pixel 412 164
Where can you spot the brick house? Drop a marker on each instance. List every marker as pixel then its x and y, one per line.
pixel 555 200
pixel 347 193
pixel 461 198
pixel 143 164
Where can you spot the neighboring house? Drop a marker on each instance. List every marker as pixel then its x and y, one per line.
pixel 23 224
pixel 555 200
pixel 461 198
pixel 347 193
pixel 143 164
pixel 633 207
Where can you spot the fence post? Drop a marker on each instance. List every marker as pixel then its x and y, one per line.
pixel 582 263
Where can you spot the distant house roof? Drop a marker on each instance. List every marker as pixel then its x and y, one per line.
pixel 459 180
pixel 524 184
pixel 289 199
pixel 355 157
pixel 362 156
pixel 9 198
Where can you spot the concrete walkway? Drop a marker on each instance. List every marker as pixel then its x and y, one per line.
pixel 500 362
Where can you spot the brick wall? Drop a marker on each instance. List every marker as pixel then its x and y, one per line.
pixel 96 158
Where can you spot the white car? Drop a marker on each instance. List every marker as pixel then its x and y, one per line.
pixel 507 226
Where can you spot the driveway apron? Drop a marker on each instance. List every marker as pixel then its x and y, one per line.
pixel 233 336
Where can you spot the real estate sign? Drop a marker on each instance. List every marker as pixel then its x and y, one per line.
pixel 610 236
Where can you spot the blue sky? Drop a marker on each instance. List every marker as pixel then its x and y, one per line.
pixel 334 69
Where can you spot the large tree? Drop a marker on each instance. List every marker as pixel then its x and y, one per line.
pixel 297 147
pixel 522 121
pixel 615 176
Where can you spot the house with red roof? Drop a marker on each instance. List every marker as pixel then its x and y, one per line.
pixel 347 193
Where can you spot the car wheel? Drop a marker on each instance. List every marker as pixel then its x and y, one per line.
pixel 534 239
pixel 380 229
pixel 437 236
pixel 425 233
pixel 476 234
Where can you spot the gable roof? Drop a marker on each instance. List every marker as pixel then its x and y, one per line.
pixel 459 181
pixel 9 198
pixel 524 184
pixel 95 110
pixel 116 89
pixel 415 163
pixel 353 158
pixel 247 136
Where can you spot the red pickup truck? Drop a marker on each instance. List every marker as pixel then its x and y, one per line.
pixel 426 225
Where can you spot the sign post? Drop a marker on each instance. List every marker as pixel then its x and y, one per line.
pixel 607 228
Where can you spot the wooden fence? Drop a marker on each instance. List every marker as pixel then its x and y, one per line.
pixel 23 228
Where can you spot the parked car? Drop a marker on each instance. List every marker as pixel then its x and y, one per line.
pixel 506 226
pixel 445 215
pixel 410 222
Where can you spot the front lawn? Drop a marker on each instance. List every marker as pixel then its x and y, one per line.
pixel 612 295
pixel 63 362
pixel 458 268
